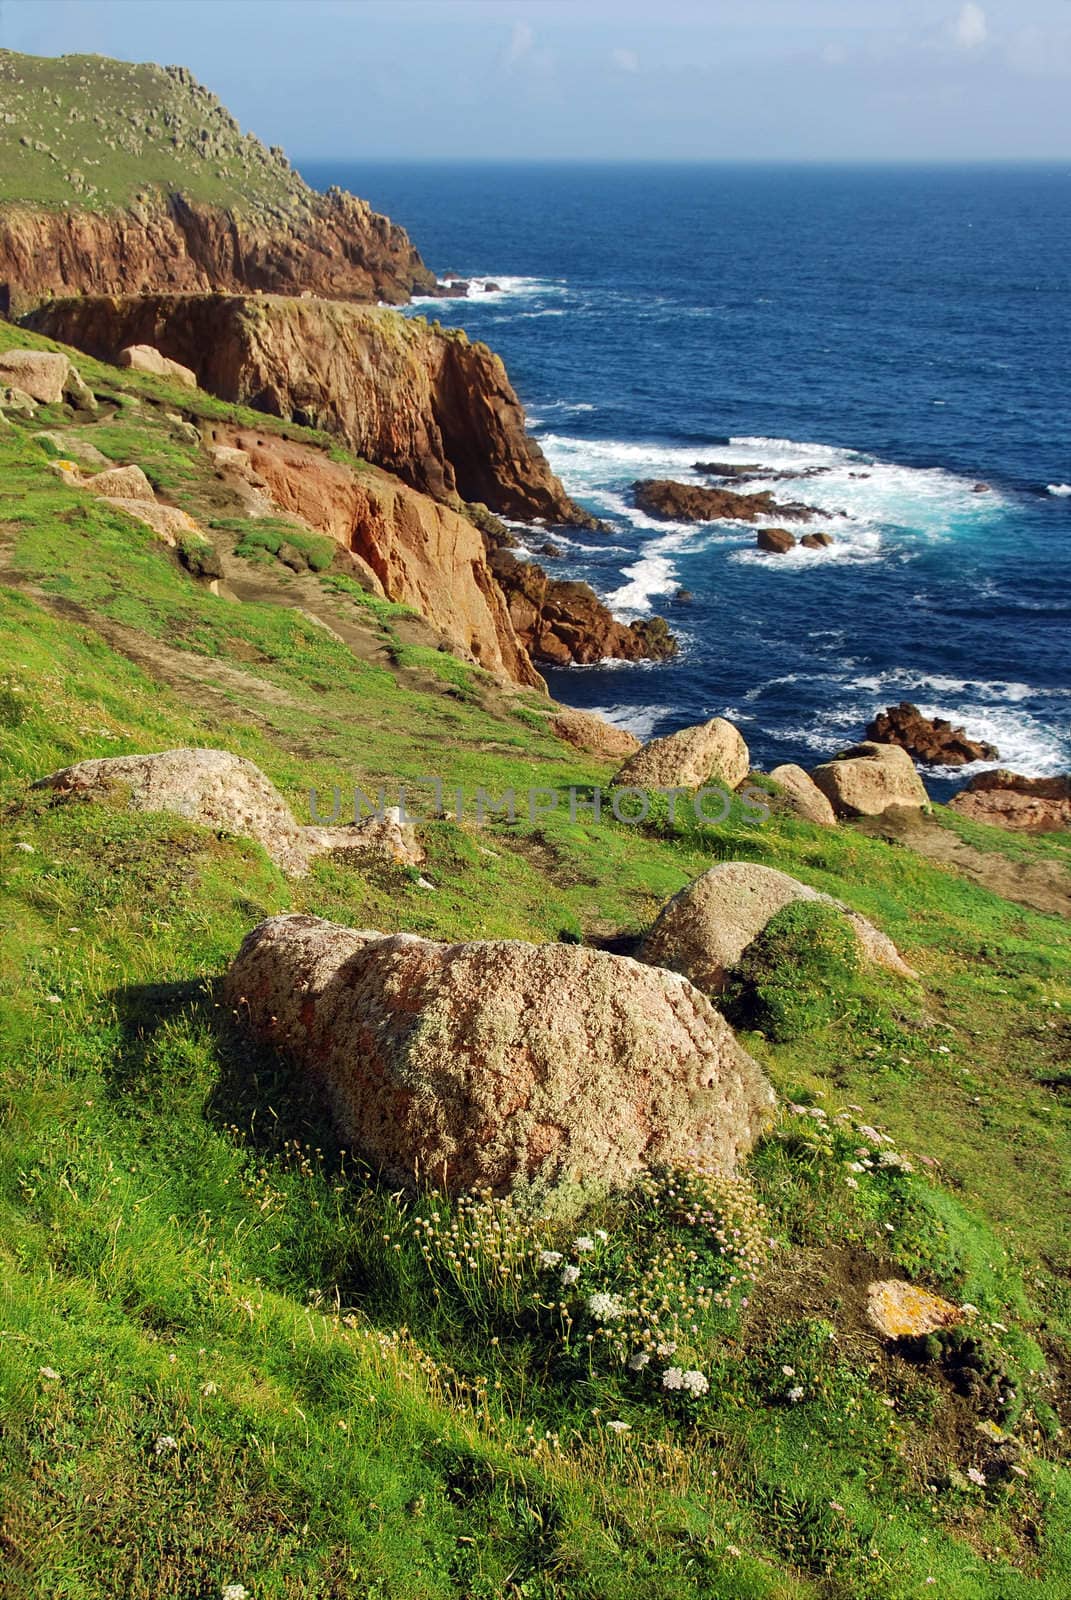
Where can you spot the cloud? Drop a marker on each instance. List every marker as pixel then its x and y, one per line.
pixel 520 45
pixel 625 60
pixel 970 28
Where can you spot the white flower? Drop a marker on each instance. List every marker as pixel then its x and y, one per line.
pixel 694 1382
pixel 789 1372
pixel 639 1361
pixel 165 1443
pixel 668 1348
pixel 234 1591
pixel 584 1244
pixel 48 1372
pixel 893 1158
pixel 569 1276
pixel 968 1309
pixel 602 1235
pixel 549 1258
pixel 856 1166
pixel 617 1426
pixel 853 1183
pixel 673 1378
pixel 732 1549
pixel 977 1477
pixel 795 1395
pixel 606 1307
pixel 209 1387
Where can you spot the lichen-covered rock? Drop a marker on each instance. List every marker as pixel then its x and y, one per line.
pixel 870 778
pixel 901 1310
pixel 230 794
pixel 500 1064
pixel 588 731
pixel 704 930
pixel 212 787
pixel 801 795
pixel 145 358
pixel 42 374
pixel 121 483
pixel 709 752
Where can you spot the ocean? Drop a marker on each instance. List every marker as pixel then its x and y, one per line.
pixel 888 337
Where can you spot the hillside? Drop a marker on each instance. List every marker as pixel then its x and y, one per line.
pixel 117 178
pixel 230 1359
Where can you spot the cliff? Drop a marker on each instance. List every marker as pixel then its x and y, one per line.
pixel 427 405
pixel 119 178
pixel 562 622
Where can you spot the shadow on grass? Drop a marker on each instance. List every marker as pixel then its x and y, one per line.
pixel 170 1034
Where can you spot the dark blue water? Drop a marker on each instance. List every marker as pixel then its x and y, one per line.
pixel 907 332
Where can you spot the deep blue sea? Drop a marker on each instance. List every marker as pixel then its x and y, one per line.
pixel 907 332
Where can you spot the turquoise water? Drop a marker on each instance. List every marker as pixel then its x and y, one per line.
pixel 891 337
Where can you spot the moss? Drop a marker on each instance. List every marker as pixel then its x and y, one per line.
pixel 796 975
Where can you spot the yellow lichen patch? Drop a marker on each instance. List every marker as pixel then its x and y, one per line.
pixel 901 1310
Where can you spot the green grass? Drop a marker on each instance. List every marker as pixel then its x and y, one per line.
pixel 228 1356
pixel 101 133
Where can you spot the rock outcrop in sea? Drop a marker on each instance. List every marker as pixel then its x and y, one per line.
pixel 930 739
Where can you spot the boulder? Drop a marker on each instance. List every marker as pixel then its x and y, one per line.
pixel 775 541
pixel 817 541
pixel 227 793
pixel 930 739
pixel 901 1310
pixel 77 392
pixel 17 401
pixel 691 502
pixel 499 1064
pixel 710 752
pixel 42 374
pixel 121 483
pixel 1008 800
pixel 703 931
pixel 588 731
pixel 801 795
pixel 168 522
pixel 870 778
pixel 146 358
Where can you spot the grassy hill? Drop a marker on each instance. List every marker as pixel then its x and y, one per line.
pixel 229 1358
pixel 99 133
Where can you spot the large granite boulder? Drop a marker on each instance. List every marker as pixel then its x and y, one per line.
pixel 146 358
pixel 586 730
pixel 500 1064
pixel 707 753
pixel 703 931
pixel 870 778
pixel 802 796
pixel 1008 800
pixel 41 374
pixel 231 795
pixel 120 483
pixel 930 739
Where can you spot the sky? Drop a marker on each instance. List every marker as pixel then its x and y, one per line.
pixel 670 80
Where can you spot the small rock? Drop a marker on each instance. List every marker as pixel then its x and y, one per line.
pixel 901 1310
pixel 817 541
pixel 776 541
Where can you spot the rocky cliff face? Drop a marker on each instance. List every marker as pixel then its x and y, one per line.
pixel 427 405
pixel 564 623
pixel 339 248
pixel 422 554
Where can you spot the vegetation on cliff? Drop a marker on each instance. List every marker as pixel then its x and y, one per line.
pixel 229 1357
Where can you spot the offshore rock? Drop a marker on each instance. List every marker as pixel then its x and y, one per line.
pixel 561 622
pixel 930 739
pixel 689 502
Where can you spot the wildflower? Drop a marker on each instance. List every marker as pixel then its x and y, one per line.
pixel 852 1183
pixel 856 1166
pixel 234 1591
pixel 673 1378
pixel 968 1309
pixel 789 1372
pixel 977 1477
pixel 639 1361
pixel 835 1505
pixel 209 1388
pixel 667 1348
pixel 694 1382
pixel 584 1244
pixel 606 1307
pixel 569 1276
pixel 617 1426
pixel 48 1372
pixel 602 1235
pixel 732 1549
pixel 165 1443
pixel 549 1258
pixel 795 1394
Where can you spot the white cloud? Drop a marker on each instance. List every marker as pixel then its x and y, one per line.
pixel 970 28
pixel 520 45
pixel 625 60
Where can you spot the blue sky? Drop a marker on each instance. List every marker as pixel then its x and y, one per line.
pixel 885 80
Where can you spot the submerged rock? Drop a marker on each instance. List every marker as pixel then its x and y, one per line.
pixel 500 1064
